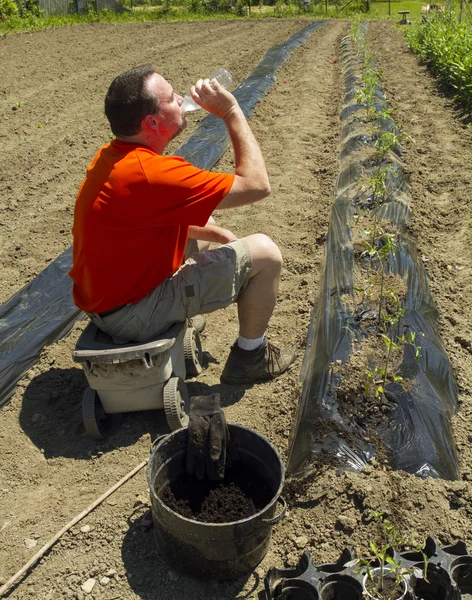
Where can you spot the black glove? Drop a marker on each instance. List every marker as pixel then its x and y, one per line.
pixel 208 437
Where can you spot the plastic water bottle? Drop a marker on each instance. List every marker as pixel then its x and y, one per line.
pixel 222 76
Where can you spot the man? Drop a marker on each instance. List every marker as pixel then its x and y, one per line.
pixel 137 208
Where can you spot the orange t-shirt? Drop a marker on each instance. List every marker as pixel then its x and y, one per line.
pixel 131 221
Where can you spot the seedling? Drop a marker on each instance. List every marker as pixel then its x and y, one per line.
pixel 383 555
pixel 384 143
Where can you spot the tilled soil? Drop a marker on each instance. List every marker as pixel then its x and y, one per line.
pixel 52 86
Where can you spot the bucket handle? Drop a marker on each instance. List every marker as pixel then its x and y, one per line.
pixel 279 516
pixel 157 441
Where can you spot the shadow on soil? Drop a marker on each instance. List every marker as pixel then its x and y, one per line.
pixel 151 577
pixel 51 415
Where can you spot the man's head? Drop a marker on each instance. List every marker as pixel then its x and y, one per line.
pixel 142 99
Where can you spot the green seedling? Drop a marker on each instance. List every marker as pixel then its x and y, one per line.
pixel 389 346
pixel 383 254
pixel 382 555
pixel 392 318
pixel 384 143
pixel 373 380
pixel 410 339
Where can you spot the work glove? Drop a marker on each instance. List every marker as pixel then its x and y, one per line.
pixel 208 437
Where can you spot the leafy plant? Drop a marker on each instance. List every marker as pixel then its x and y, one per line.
pixel 446 46
pixel 8 8
pixel 383 555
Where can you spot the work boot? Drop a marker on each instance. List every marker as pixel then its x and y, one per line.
pixel 249 366
pixel 198 322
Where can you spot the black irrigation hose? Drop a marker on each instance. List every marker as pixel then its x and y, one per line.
pixel 418 434
pixel 42 312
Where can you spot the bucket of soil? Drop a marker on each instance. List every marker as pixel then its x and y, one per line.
pixel 216 530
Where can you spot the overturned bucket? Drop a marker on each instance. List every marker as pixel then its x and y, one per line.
pixel 214 550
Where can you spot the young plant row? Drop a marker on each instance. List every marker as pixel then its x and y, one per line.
pixel 446 46
pixel 378 241
pixel 375 372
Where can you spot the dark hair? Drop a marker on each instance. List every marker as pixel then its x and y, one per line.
pixel 127 101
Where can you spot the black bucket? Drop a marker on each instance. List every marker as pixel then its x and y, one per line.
pixel 214 550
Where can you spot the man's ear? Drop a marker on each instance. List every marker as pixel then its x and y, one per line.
pixel 151 122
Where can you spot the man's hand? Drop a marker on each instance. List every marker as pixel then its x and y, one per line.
pixel 208 437
pixel 211 233
pixel 211 96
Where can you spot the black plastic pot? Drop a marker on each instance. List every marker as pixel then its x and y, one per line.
pixel 214 550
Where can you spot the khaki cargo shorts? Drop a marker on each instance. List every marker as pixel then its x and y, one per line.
pixel 205 282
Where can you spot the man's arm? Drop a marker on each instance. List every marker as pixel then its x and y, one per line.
pixel 251 182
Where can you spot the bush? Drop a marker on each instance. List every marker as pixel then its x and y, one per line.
pixel 446 46
pixel 8 8
pixel 31 7
pixel 215 6
pixel 241 8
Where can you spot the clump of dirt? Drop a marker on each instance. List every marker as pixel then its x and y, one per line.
pixel 241 494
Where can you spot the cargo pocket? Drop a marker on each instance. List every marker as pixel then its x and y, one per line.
pixel 211 288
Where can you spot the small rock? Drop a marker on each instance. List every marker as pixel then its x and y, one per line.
pixel 36 417
pixel 301 542
pixel 87 587
pixel 85 529
pixel 172 575
pixel 347 522
pixel 104 580
pixel 111 573
pixel 30 543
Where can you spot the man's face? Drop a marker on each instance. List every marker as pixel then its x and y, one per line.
pixel 170 118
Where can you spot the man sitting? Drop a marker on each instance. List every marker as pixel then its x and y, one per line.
pixel 137 208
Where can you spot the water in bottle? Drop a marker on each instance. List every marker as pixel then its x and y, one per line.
pixel 222 76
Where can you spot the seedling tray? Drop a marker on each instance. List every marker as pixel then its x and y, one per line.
pixel 449 576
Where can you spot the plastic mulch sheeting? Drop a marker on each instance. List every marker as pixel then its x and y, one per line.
pixel 210 140
pixel 416 432
pixel 42 312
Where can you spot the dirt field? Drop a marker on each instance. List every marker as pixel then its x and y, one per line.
pixel 52 86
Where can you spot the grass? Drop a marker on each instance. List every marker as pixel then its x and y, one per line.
pixel 180 12
pixel 379 9
pixel 165 12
